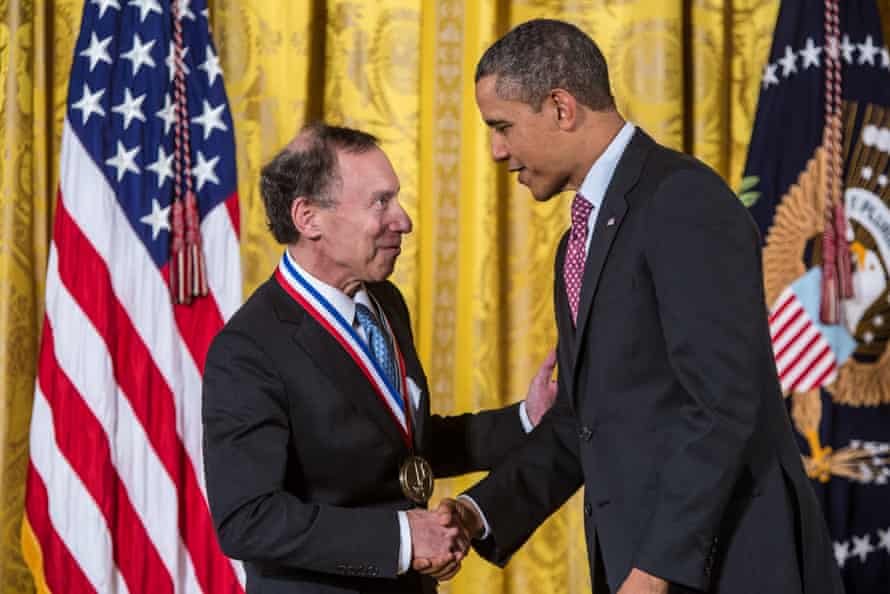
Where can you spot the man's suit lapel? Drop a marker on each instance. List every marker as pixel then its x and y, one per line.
pixel 339 367
pixel 608 223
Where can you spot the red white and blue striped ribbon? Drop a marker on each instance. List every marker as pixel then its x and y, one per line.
pixel 331 320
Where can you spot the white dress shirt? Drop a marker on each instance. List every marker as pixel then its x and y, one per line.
pixel 345 306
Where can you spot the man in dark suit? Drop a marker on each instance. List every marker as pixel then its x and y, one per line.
pixel 669 411
pixel 319 444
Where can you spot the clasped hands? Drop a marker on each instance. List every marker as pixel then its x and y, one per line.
pixel 441 538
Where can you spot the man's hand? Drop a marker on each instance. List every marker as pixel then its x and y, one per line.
pixel 640 582
pixel 542 390
pixel 439 542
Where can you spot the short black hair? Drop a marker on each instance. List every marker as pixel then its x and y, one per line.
pixel 544 54
pixel 307 168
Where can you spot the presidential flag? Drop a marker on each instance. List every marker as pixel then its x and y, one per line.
pixel 816 181
pixel 143 271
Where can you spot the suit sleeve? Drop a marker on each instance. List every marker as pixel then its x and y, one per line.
pixel 704 257
pixel 535 480
pixel 472 442
pixel 246 442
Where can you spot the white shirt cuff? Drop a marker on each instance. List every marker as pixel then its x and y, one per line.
pixel 486 528
pixel 527 424
pixel 404 544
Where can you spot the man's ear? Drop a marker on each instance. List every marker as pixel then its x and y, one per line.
pixel 304 214
pixel 565 108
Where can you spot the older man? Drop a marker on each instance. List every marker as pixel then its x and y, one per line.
pixel 319 444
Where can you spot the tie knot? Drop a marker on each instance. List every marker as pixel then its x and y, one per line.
pixel 581 209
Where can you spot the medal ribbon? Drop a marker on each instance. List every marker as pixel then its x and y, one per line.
pixel 331 320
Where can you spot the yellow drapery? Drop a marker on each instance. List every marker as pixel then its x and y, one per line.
pixel 477 270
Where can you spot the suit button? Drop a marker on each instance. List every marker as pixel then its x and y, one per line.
pixel 585 433
pixel 588 509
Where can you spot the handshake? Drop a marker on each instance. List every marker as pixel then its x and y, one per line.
pixel 441 538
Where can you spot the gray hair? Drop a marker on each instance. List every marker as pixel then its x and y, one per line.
pixel 543 54
pixel 307 167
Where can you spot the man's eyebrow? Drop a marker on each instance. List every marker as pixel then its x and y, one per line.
pixel 496 123
pixel 385 193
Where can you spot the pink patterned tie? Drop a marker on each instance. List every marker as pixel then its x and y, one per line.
pixel 573 267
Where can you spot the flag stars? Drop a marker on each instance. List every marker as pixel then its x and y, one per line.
pixel 847 49
pixel 841 552
pixel 185 12
pixel 124 160
pixel 867 172
pixel 140 54
pixel 211 119
pixel 98 51
pixel 788 62
pixel 167 113
pixel 171 64
pixel 810 54
pixel 884 538
pixel 862 547
pixel 158 219
pixel 88 104
pixel 105 4
pixel 868 51
pixel 204 170
pixel 769 75
pixel 885 58
pixel 130 108
pixel 868 336
pixel 163 167
pixel 882 180
pixel 211 66
pixel 878 320
pixel 146 7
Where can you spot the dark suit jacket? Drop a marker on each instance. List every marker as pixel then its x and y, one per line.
pixel 669 409
pixel 302 459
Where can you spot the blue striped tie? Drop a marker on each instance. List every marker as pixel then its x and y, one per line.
pixel 378 340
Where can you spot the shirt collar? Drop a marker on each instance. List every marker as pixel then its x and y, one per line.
pixel 340 301
pixel 594 186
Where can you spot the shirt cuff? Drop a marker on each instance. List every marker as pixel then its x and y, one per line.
pixel 486 528
pixel 404 544
pixel 527 424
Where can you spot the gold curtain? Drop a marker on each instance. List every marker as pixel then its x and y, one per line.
pixel 477 271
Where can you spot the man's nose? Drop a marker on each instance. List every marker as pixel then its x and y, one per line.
pixel 499 150
pixel 401 222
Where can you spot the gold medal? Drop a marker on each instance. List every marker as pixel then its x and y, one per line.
pixel 416 478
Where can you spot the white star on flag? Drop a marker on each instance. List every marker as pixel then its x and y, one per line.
pixel 211 65
pixel 885 58
pixel 98 51
pixel 88 104
pixel 184 11
pixel 211 119
pixel 867 172
pixel 163 167
pixel 810 54
pixel 882 180
pixel 862 547
pixel 104 4
pixel 769 75
pixel 124 160
pixel 847 49
pixel 158 218
pixel 145 7
pixel 789 62
pixel 140 54
pixel 171 65
pixel 167 113
pixel 203 171
pixel 884 538
pixel 841 552
pixel 130 108
pixel 868 51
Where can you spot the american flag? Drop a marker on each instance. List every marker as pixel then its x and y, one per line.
pixel 115 488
